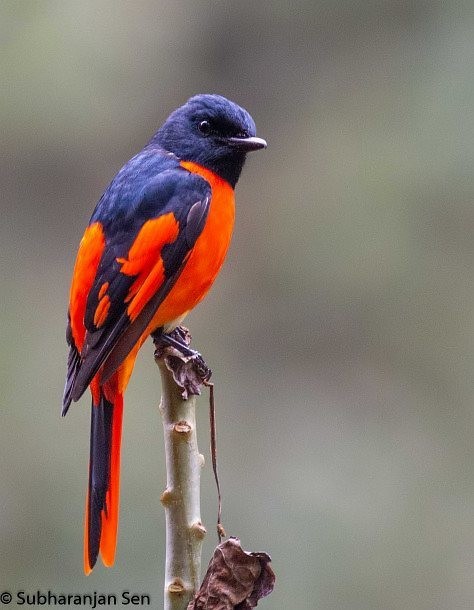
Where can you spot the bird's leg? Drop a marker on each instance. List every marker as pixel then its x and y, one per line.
pixel 189 369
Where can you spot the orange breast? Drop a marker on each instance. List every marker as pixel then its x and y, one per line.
pixel 208 254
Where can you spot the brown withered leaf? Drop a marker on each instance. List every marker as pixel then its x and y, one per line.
pixel 190 373
pixel 235 579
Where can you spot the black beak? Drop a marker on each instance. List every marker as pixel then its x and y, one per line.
pixel 247 144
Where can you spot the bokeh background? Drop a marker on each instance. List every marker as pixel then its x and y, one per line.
pixel 340 331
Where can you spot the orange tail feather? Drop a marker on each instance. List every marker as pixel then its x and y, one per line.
pixel 108 540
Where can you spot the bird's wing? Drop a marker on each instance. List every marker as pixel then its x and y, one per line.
pixel 125 268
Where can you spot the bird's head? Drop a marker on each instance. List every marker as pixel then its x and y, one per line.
pixel 212 131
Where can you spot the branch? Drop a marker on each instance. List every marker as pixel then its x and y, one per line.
pixel 235 580
pixel 181 498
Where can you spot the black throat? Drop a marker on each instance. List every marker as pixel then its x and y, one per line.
pixel 229 168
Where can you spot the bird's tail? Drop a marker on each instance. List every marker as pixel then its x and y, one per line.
pixel 102 504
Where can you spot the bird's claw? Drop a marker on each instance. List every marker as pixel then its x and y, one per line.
pixel 188 367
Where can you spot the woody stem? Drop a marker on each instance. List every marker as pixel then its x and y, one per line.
pixel 181 498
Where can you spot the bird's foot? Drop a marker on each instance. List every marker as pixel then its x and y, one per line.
pixel 188 367
pixel 180 340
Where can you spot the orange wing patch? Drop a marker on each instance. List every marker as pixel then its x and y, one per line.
pixel 103 289
pixel 144 260
pixel 100 314
pixel 88 257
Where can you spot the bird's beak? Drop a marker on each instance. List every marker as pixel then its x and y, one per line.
pixel 248 144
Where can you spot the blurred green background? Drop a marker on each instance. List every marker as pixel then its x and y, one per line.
pixel 340 331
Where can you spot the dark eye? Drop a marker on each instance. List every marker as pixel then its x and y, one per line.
pixel 204 127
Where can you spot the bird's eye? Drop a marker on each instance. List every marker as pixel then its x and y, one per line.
pixel 204 127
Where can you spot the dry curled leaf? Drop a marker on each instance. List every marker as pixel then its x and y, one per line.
pixel 235 579
pixel 190 373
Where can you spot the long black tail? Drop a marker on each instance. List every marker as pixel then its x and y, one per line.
pixel 104 471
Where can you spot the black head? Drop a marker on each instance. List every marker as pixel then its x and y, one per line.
pixel 212 131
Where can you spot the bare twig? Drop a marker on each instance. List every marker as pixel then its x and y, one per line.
pixel 235 579
pixel 181 498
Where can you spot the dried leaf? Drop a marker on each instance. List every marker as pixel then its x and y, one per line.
pixel 235 579
pixel 190 373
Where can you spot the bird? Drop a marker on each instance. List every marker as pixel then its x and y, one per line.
pixel 153 247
